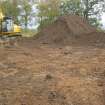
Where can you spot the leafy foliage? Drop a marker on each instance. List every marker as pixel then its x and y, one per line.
pixel 10 9
pixel 91 10
pixel 48 12
pixel 71 7
pixel 25 13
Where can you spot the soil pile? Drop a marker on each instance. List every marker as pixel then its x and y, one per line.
pixel 68 30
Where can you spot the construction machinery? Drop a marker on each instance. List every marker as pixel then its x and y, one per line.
pixel 8 30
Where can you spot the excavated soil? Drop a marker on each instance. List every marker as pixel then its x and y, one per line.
pixel 50 70
pixel 71 30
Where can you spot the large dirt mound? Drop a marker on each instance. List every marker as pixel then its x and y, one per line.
pixel 76 25
pixel 68 30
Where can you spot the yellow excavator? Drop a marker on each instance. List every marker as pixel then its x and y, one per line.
pixel 8 29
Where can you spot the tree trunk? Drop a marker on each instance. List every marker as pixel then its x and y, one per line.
pixel 26 22
pixel 86 12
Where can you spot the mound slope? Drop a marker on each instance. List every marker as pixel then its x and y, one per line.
pixel 68 30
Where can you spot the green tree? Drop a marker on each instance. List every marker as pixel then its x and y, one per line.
pixel 26 10
pixel 91 10
pixel 48 12
pixel 10 9
pixel 71 7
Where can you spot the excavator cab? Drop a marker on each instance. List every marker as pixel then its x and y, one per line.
pixel 7 25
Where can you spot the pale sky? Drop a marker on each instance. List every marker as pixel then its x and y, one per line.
pixel 103 20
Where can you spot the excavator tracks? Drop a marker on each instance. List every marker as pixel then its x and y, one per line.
pixel 8 41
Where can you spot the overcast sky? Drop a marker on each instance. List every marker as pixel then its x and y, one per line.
pixel 103 20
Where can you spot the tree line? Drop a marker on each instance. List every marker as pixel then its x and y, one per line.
pixel 47 11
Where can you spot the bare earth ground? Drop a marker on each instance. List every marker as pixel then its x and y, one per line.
pixel 52 76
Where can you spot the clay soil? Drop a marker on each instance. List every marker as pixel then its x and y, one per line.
pixel 47 73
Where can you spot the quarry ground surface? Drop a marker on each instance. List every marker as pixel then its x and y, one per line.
pixel 45 75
